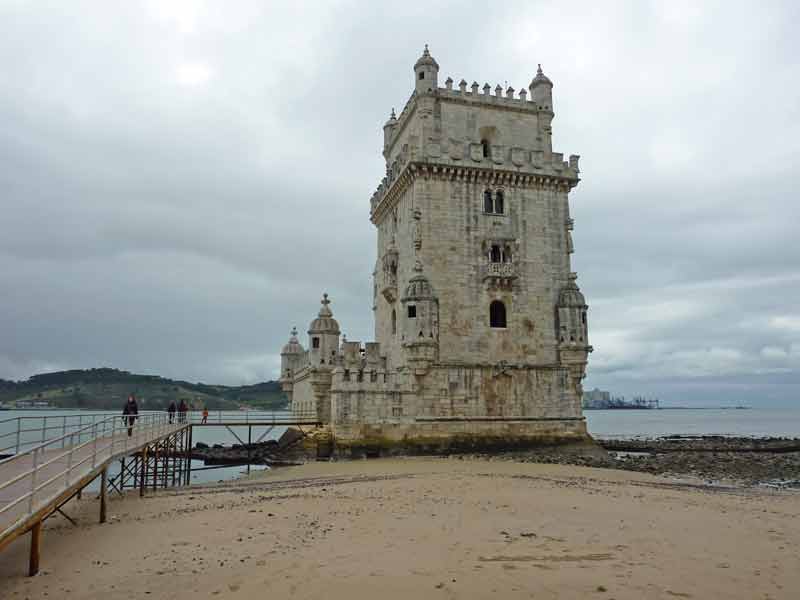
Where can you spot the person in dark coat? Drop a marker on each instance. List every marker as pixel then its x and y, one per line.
pixel 171 411
pixel 182 408
pixel 129 413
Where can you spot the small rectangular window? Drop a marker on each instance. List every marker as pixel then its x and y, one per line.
pixel 412 312
pixel 315 342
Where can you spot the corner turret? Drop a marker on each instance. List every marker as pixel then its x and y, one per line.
pixel 426 73
pixel 573 339
pixel 542 91
pixel 542 97
pixel 291 355
pixel 323 336
pixel 420 321
pixel 388 132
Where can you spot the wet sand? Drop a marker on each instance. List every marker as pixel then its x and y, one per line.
pixel 424 528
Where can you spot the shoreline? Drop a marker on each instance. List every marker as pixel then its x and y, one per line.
pixel 745 461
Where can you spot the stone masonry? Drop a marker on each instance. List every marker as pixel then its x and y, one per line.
pixel 480 328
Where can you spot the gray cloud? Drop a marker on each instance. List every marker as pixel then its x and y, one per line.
pixel 180 181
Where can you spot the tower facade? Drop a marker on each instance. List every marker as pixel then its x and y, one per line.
pixel 480 328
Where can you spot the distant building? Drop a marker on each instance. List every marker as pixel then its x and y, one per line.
pixel 596 398
pixel 599 399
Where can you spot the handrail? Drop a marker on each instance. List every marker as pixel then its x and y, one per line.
pixel 61 423
pixel 73 413
pixel 65 423
pixel 95 442
pixel 64 458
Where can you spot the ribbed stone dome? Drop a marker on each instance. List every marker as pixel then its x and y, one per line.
pixel 571 296
pixel 324 323
pixel 293 346
pixel 540 78
pixel 426 59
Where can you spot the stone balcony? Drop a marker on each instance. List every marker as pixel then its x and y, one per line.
pixel 499 274
pixel 389 287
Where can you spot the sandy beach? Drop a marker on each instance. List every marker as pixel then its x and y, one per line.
pixel 425 528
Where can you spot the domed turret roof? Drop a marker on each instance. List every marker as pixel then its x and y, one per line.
pixel 419 288
pixel 293 346
pixel 392 121
pixel 426 59
pixel 540 78
pixel 324 323
pixel 571 296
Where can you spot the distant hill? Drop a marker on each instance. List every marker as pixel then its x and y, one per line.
pixel 106 388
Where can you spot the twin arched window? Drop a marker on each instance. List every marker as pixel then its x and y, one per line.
pixel 500 254
pixel 494 205
pixel 497 315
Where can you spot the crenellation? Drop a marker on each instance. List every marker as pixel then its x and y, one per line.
pixel 480 329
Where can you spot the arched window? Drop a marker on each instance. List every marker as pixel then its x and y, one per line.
pixel 498 202
pixel 495 255
pixel 497 314
pixel 487 201
pixel 394 322
pixel 486 149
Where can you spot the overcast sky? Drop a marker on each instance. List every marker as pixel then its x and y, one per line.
pixel 180 181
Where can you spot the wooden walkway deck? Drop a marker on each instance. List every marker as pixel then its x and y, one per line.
pixel 57 474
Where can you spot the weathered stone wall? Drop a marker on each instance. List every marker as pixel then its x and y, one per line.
pixel 456 435
pixel 457 236
pixel 402 398
pixel 303 402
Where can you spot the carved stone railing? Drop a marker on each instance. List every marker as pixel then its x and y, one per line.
pixel 500 270
pixel 499 275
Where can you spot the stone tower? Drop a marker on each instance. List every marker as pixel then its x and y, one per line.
pixel 481 334
pixel 474 192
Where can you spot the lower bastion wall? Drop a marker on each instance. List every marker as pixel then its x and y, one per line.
pixel 451 409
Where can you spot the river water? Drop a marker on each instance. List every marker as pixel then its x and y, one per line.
pixel 752 422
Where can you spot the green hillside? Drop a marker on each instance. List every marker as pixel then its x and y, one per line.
pixel 106 388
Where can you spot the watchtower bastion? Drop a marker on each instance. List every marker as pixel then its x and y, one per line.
pixel 481 334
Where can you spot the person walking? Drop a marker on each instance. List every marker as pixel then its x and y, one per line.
pixel 171 411
pixel 182 409
pixel 129 413
pixel 205 416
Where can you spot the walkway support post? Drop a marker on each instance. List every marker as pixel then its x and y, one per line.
pixel 103 494
pixel 143 474
pixel 189 456
pixel 36 536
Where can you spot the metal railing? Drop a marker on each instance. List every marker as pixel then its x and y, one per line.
pixel 247 417
pixel 62 461
pixel 25 432
pixel 20 433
